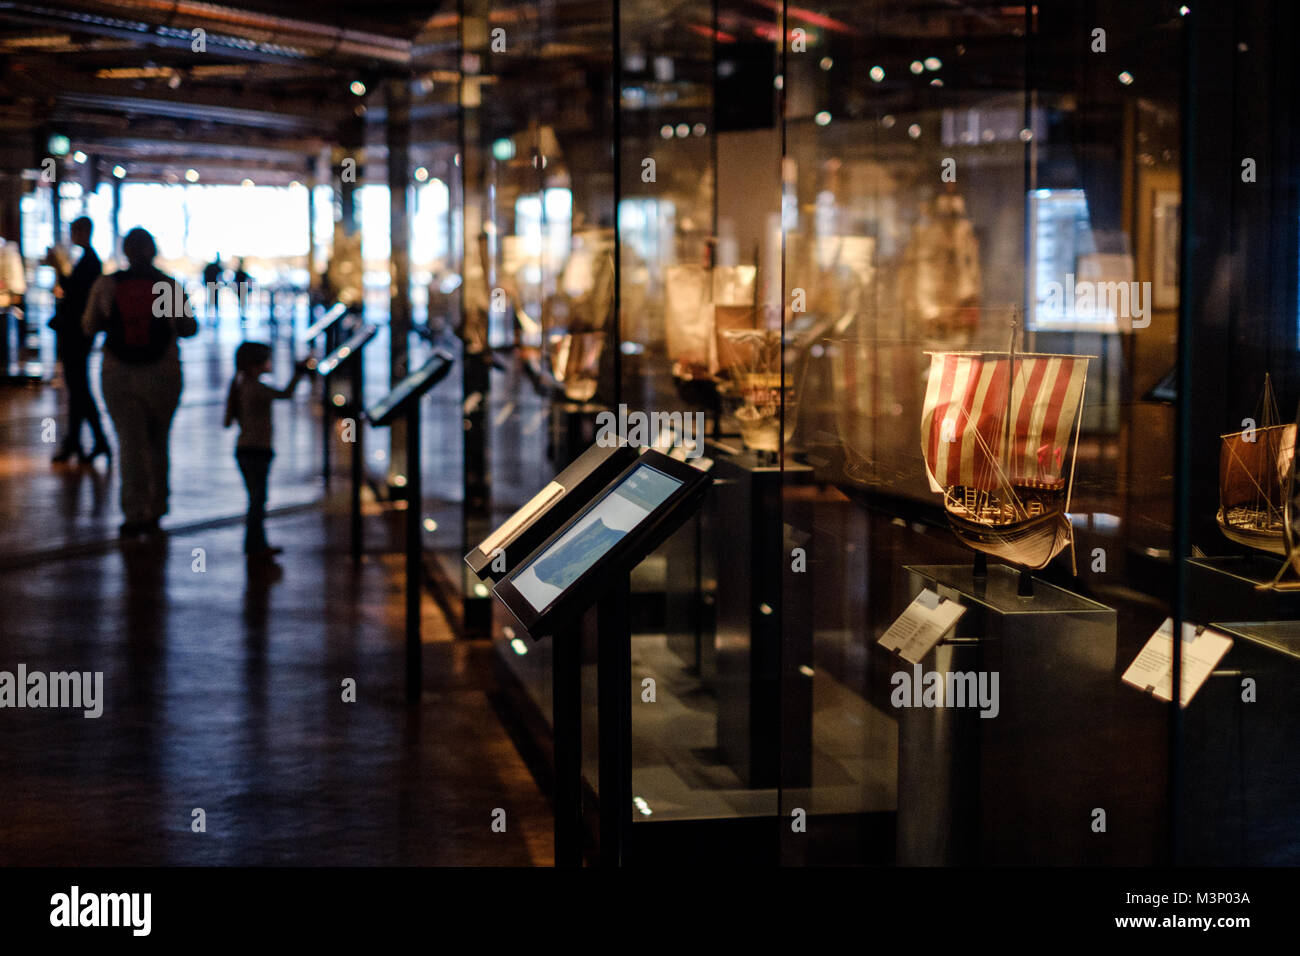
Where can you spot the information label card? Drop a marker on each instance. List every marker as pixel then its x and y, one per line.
pixel 927 619
pixel 1153 669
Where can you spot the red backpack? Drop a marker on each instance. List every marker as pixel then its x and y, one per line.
pixel 140 327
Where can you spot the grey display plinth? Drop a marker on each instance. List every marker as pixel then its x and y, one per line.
pixel 1241 789
pixel 1220 589
pixel 1019 787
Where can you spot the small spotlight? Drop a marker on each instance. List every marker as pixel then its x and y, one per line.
pixel 358 88
pixel 119 172
pixel 699 129
pixel 666 131
pixel 826 63
pixel 421 174
pixel 914 131
pixel 917 67
pixel 430 524
pixel 480 590
pixel 78 157
pixel 191 175
pixel 1126 78
pixel 822 119
pixel 339 400
pixel 933 63
pixel 246 182
pixel 1184 10
pixel 683 130
pixel 877 74
pixel 399 481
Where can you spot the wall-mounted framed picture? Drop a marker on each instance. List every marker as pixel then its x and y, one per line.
pixel 1166 217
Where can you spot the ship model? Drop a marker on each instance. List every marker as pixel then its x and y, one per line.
pixel 1257 485
pixel 1254 466
pixel 996 433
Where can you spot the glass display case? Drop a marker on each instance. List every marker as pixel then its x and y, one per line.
pixel 973 300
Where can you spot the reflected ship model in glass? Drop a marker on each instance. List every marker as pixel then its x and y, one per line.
pixel 996 436
pixel 1254 468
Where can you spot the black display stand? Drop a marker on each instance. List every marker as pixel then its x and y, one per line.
pixel 1220 588
pixel 604 584
pixel 349 354
pixel 763 621
pixel 983 791
pixel 404 402
pixel 326 328
pixel 1239 788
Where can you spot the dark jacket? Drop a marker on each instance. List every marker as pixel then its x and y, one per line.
pixel 76 291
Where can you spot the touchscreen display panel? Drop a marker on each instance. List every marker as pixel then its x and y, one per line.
pixel 545 577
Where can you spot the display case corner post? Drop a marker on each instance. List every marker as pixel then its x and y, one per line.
pixel 981 565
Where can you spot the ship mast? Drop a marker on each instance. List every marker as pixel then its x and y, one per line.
pixel 1011 384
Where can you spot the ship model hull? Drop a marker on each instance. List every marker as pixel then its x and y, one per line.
pixel 1030 542
pixel 1251 530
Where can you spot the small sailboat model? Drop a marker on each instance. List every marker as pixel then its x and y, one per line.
pixel 996 434
pixel 1255 467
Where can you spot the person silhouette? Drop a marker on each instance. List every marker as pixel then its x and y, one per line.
pixel 142 312
pixel 74 348
pixel 212 274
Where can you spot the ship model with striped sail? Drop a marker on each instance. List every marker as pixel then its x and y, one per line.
pixel 997 430
pixel 1254 470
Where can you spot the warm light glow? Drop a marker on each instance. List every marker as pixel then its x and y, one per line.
pixel 430 524
pixel 822 119
pixel 917 66
pixel 933 63
pixel 192 175
pixel 358 88
pixel 421 174
pixel 877 73
pixel 119 172
pixel 1126 78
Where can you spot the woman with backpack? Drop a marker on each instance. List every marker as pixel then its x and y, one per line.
pixel 142 312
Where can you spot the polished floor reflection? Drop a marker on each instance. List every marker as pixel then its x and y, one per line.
pixel 224 686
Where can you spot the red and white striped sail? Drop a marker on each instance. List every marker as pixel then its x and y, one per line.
pixel 963 423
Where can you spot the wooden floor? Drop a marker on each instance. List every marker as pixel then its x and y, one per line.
pixel 223 688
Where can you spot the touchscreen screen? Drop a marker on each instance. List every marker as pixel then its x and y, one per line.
pixel 600 527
